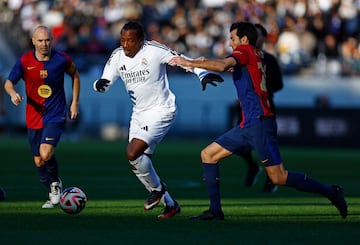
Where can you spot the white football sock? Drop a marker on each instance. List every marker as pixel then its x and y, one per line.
pixel 146 173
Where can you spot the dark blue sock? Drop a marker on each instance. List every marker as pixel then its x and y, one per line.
pixel 212 183
pixel 304 183
pixel 52 168
pixel 44 176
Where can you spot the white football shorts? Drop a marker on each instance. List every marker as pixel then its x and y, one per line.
pixel 152 125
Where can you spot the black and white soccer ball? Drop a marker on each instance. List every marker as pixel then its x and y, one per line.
pixel 72 200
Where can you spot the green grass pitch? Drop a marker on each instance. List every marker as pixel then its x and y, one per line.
pixel 114 212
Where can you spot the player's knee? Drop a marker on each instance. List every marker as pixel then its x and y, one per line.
pixel 46 152
pixel 45 155
pixel 131 155
pixel 38 161
pixel 206 157
pixel 203 155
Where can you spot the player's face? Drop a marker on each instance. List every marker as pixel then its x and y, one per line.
pixel 130 42
pixel 234 39
pixel 42 42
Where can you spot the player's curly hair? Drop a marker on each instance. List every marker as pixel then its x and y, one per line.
pixel 245 29
pixel 133 25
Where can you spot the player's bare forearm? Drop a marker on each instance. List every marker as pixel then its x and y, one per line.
pixel 74 107
pixel 218 65
pixel 76 87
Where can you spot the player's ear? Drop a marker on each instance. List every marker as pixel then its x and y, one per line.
pixel 244 40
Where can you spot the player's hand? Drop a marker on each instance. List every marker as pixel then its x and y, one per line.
pixel 16 98
pixel 177 60
pixel 101 85
pixel 74 111
pixel 211 78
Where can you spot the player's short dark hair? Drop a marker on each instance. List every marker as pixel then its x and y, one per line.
pixel 245 29
pixel 262 29
pixel 133 25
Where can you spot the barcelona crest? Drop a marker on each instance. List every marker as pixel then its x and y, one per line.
pixel 43 74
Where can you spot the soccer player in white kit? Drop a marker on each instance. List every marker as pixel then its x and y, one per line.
pixel 141 65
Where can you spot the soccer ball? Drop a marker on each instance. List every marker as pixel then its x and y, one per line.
pixel 72 200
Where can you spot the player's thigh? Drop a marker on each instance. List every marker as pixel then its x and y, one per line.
pixel 34 139
pixel 51 135
pixel 235 140
pixel 264 140
pixel 151 127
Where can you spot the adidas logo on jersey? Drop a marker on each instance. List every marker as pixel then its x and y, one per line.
pixel 123 68
pixel 145 128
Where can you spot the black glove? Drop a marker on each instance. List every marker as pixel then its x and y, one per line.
pixel 101 85
pixel 211 78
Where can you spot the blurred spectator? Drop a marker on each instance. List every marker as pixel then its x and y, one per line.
pixel 300 31
pixel 288 48
pixel 350 57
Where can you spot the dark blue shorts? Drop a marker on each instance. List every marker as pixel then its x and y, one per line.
pixel 49 134
pixel 261 137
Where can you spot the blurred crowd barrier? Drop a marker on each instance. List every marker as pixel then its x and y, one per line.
pixel 338 127
pixel 319 109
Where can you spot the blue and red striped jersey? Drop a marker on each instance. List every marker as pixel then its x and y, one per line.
pixel 44 85
pixel 250 82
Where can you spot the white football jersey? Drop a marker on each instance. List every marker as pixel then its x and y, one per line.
pixel 144 75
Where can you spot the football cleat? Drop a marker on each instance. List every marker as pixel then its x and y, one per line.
pixel 338 200
pixel 170 211
pixel 252 176
pixel 55 192
pixel 208 215
pixel 155 197
pixel 48 204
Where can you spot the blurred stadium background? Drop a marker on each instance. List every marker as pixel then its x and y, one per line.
pixel 316 42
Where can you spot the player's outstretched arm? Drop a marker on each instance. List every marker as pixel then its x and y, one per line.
pixel 101 85
pixel 205 76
